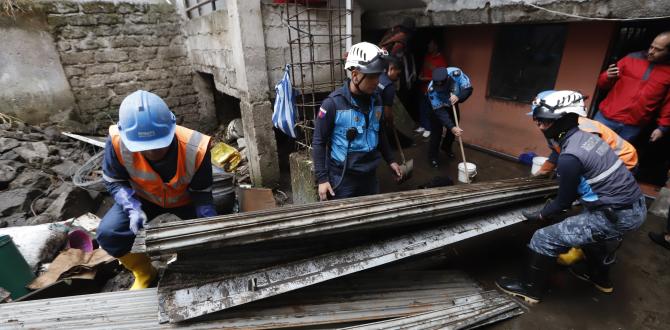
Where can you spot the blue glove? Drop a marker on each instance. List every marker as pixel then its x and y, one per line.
pixel 132 207
pixel 204 211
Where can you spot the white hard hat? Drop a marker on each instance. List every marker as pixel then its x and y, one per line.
pixel 366 57
pixel 555 104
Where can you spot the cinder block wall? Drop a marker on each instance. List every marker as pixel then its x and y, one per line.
pixel 109 50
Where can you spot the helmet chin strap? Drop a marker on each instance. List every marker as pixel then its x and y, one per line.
pixel 356 84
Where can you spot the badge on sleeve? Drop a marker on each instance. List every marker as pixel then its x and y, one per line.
pixel 322 113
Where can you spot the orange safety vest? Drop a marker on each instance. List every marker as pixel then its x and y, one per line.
pixel 621 147
pixel 146 183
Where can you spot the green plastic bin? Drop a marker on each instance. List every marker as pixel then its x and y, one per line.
pixel 15 273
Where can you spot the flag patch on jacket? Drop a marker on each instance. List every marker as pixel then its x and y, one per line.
pixel 322 112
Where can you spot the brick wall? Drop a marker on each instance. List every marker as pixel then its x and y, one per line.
pixel 109 50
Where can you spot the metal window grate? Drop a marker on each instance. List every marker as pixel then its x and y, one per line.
pixel 317 46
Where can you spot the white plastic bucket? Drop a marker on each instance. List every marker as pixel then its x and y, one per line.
pixel 537 164
pixel 472 171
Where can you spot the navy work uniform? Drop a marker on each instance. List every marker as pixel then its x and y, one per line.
pixel 350 125
pixel 613 203
pixel 455 82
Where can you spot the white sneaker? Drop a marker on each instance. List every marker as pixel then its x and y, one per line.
pixel 426 134
pixel 420 129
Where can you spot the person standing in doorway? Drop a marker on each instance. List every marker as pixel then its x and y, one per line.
pixel 638 86
pixel 433 60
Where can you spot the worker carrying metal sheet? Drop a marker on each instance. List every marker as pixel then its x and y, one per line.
pixel 151 166
pixel 622 148
pixel 349 122
pixel 587 168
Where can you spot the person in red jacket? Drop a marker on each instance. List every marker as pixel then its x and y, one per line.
pixel 638 86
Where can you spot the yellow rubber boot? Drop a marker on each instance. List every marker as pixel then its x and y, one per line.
pixel 140 265
pixel 570 257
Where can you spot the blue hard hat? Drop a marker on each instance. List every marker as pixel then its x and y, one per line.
pixel 145 122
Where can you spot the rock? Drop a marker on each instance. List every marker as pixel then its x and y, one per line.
pixel 7 144
pixel 10 155
pixel 65 169
pixel 51 161
pixel 120 282
pixel 71 202
pixel 41 149
pixel 241 143
pixel 16 219
pixel 32 179
pixel 53 134
pixel 40 219
pixel 28 155
pixel 42 204
pixel 16 200
pixel 8 172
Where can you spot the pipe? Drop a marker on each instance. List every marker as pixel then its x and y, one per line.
pixel 349 28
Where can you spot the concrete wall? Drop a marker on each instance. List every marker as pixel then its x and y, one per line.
pixel 109 50
pixel 32 80
pixel 460 12
pixel 503 125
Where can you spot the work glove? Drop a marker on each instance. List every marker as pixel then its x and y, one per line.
pixel 205 211
pixel 132 207
pixel 532 215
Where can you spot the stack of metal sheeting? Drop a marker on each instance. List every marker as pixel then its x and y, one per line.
pixel 186 295
pixel 370 212
pixel 365 297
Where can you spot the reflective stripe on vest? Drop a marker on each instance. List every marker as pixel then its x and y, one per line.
pixel 606 173
pixel 192 147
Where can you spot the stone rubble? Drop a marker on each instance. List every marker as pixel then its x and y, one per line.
pixel 36 168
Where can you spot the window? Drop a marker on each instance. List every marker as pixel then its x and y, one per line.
pixel 525 61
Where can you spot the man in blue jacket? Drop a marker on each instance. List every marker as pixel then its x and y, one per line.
pixel 448 87
pixel 349 122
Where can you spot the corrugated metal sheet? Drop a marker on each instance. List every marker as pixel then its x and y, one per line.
pixel 366 296
pixel 467 313
pixel 361 213
pixel 199 298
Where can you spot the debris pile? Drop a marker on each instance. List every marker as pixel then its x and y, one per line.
pixel 36 166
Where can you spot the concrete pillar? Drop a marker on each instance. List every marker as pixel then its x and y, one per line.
pixel 303 182
pixel 248 42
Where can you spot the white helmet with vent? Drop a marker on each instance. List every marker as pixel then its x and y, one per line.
pixel 366 58
pixel 555 104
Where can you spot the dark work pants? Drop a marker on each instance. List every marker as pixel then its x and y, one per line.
pixel 114 234
pixel 438 119
pixel 353 185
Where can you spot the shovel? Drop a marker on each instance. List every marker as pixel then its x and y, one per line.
pixel 407 166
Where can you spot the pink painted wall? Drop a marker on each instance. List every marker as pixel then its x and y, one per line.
pixel 503 125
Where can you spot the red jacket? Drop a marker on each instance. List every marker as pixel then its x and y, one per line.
pixel 430 63
pixel 640 91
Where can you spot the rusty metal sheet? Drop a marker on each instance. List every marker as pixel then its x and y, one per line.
pixel 370 295
pixel 466 313
pixel 204 298
pixel 361 213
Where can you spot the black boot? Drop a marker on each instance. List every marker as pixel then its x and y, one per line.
pixel 596 268
pixel 532 285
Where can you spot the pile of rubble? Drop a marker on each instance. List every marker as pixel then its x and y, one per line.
pixel 36 166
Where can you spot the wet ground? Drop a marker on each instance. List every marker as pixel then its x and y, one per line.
pixel 641 276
